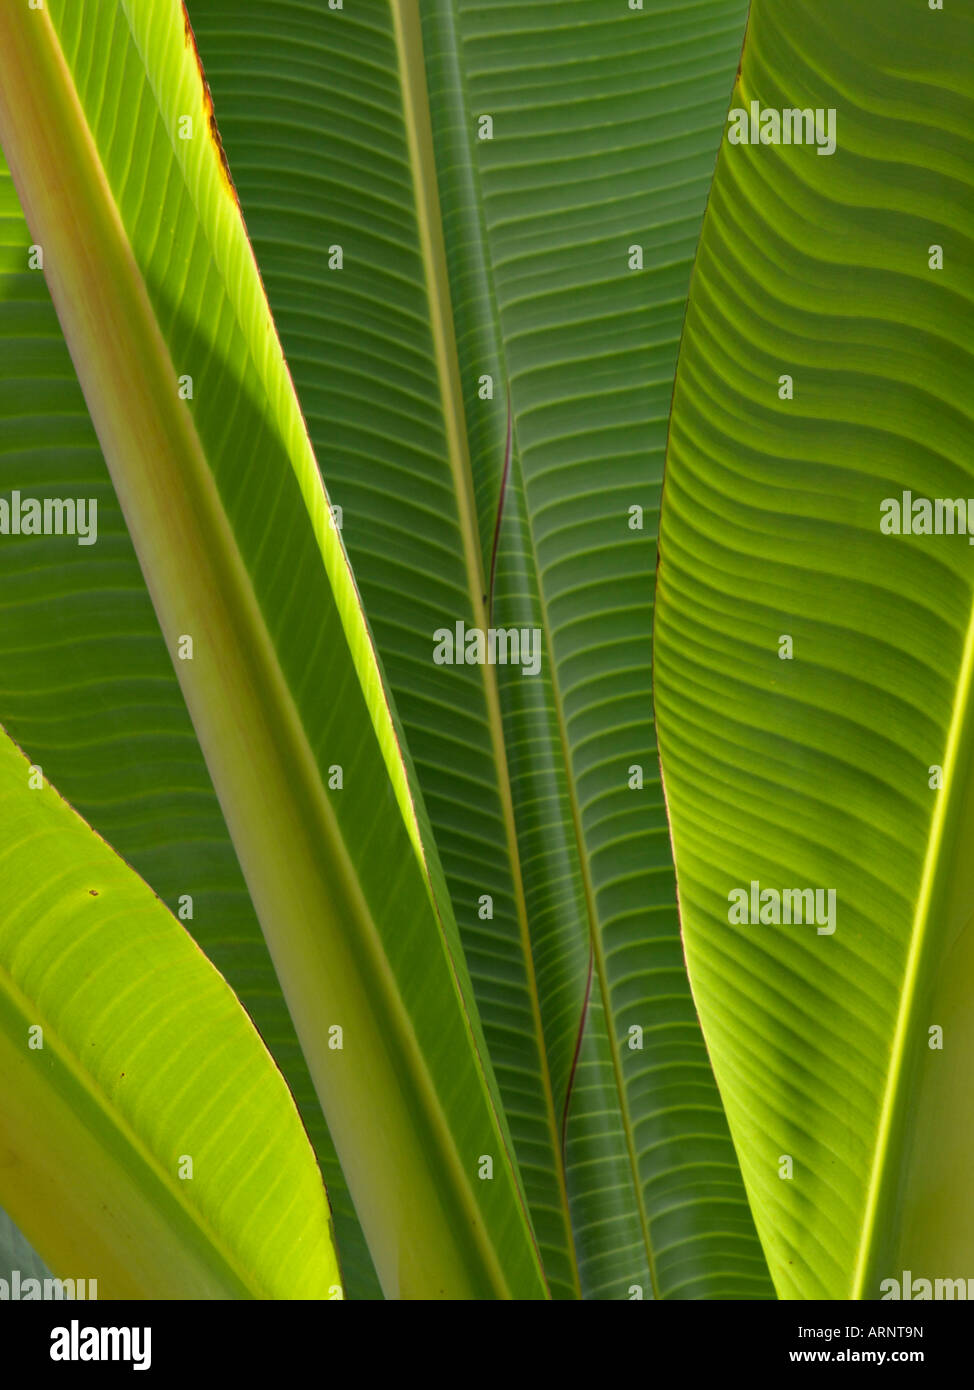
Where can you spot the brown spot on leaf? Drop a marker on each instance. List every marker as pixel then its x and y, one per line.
pixel 215 134
pixel 208 111
pixel 93 892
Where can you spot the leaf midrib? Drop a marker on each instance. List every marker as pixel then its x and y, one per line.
pixel 896 1092
pixel 594 928
pixel 429 222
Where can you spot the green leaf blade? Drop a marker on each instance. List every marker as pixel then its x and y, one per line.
pixel 145 1062
pixel 816 771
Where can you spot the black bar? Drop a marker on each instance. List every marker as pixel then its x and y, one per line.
pixel 294 1340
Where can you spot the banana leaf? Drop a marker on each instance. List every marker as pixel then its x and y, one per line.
pixel 813 646
pixel 163 311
